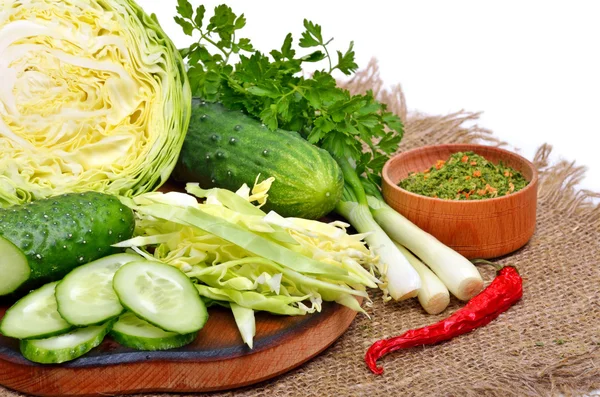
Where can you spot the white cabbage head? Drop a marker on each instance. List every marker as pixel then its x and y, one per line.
pixel 93 96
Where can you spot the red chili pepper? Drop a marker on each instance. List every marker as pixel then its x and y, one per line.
pixel 499 296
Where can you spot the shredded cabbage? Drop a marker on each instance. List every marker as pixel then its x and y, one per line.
pixel 93 96
pixel 249 260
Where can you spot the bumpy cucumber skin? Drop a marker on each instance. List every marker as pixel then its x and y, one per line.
pixel 31 352
pixel 60 233
pixel 226 148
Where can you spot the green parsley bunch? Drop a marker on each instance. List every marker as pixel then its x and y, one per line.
pixel 271 88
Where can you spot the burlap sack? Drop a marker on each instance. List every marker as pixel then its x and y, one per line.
pixel 549 343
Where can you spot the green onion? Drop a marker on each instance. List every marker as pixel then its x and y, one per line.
pixel 458 274
pixel 433 295
pixel 402 281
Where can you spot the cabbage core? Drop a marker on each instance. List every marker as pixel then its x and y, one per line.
pixel 93 96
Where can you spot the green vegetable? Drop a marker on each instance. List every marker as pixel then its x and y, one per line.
pixel 226 148
pixel 433 295
pixel 356 130
pixel 161 295
pixel 93 293
pixel 133 332
pixel 86 296
pixel 256 301
pixel 245 321
pixel 457 273
pixel 465 176
pixel 274 91
pixel 14 267
pixel 402 281
pixel 237 234
pixel 34 316
pixel 247 260
pixel 94 98
pixel 65 347
pixel 57 234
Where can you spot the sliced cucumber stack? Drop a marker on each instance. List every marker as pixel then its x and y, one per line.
pixel 166 310
pixel 162 295
pixel 34 316
pixel 86 296
pixel 133 332
pixel 66 347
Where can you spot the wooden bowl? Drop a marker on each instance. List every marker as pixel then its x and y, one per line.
pixel 478 228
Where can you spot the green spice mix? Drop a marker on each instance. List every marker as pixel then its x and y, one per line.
pixel 465 176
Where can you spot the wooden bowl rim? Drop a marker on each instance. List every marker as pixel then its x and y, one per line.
pixel 457 147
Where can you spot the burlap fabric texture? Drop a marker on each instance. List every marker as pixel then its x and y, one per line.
pixel 548 344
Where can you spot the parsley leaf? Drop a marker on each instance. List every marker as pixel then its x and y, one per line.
pixel 273 89
pixel 286 49
pixel 184 8
pixel 312 35
pixel 188 28
pixel 346 62
pixel 200 11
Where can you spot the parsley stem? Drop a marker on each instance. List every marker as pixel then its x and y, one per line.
pixel 227 55
pixel 295 89
pixel 328 57
pixel 204 36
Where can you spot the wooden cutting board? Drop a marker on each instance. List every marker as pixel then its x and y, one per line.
pixel 217 360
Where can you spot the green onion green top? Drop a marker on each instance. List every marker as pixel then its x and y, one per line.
pixel 465 176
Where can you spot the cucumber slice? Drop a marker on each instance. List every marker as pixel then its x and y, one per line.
pixel 14 267
pixel 86 296
pixel 133 332
pixel 66 347
pixel 162 295
pixel 34 316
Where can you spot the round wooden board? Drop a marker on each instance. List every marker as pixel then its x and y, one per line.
pixel 217 360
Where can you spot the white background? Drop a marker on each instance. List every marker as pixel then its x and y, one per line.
pixel 532 67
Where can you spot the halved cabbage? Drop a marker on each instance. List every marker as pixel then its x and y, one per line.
pixel 93 96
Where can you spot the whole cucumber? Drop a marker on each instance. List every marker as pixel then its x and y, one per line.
pixel 43 240
pixel 226 148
